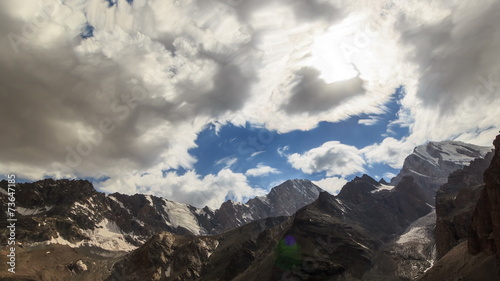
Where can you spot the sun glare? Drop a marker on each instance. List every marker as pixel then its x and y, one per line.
pixel 328 58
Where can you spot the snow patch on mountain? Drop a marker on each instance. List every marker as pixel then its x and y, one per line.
pixel 30 212
pixel 180 215
pixel 79 206
pixel 419 231
pixel 383 187
pixel 118 202
pixel 106 235
pixel 150 200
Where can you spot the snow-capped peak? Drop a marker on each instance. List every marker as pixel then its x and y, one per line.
pixel 450 151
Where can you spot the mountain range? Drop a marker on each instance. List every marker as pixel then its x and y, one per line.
pixel 371 230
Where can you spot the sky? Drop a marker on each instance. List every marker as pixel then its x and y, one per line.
pixel 201 101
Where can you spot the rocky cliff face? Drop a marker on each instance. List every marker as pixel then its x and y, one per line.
pixel 455 204
pixel 485 233
pixel 476 255
pixel 431 164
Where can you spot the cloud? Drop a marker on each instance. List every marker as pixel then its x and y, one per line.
pixel 313 95
pixel 282 150
pixel 261 170
pixel 390 151
pixel 190 188
pixel 79 106
pixel 228 162
pixel 332 157
pixel 255 154
pixel 369 122
pixel 389 176
pixel 333 185
pixel 452 49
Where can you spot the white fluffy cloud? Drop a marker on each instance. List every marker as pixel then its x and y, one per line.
pixel 333 185
pixel 390 151
pixel 261 170
pixel 190 188
pixel 332 157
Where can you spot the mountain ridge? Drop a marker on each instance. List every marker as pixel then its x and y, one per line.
pixel 87 217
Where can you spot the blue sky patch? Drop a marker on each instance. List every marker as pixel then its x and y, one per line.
pixel 87 31
pixel 241 148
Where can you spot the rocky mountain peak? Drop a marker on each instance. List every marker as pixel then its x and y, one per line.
pixel 383 181
pixel 299 189
pixel 358 189
pixel 430 164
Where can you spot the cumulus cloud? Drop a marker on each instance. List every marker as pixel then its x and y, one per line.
pixel 332 157
pixel 390 151
pixel 261 170
pixel 190 188
pixel 333 185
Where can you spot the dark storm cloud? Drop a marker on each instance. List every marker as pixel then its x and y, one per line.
pixel 313 95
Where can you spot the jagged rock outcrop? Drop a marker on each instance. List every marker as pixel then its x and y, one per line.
pixel 455 204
